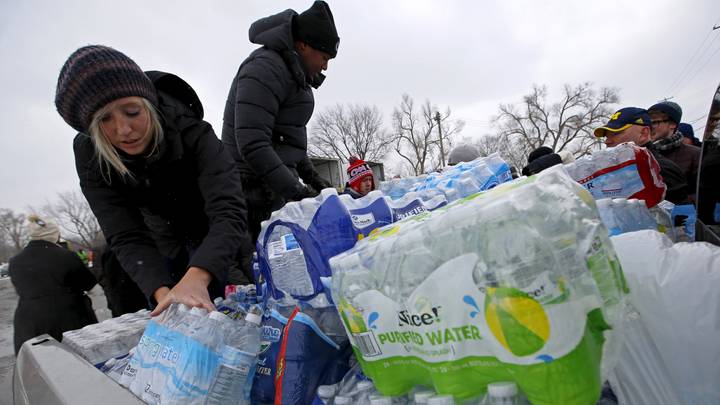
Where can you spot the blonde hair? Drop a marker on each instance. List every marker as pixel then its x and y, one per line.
pixel 107 156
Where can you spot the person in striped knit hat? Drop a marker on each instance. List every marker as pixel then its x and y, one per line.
pixel 360 178
pixel 166 193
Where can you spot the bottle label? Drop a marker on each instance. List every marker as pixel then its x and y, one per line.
pixel 622 180
pixel 279 247
pixel 505 323
pixel 169 367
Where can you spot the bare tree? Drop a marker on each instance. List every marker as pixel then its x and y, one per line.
pixel 352 130
pixel 508 149
pixel 75 218
pixel 12 229
pixel 419 135
pixel 565 125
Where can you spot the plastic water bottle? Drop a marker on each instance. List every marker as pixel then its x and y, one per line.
pixel 363 391
pixel 236 368
pixel 287 263
pixel 343 400
pixel 326 392
pixel 502 393
pixel 422 397
pixel 381 401
pixel 441 400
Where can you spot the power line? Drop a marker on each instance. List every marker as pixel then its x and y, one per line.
pixel 703 66
pixel 697 119
pixel 689 62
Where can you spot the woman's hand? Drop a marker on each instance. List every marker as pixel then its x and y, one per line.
pixel 191 291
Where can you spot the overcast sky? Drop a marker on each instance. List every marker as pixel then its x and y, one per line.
pixel 468 55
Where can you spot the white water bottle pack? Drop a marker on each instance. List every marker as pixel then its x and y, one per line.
pixel 453 182
pixel 518 284
pixel 100 342
pixel 191 357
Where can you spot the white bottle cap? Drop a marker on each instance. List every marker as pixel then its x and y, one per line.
pixel 253 318
pixel 218 301
pixel 365 385
pixel 218 316
pixel 381 401
pixel 327 391
pixel 441 400
pixel 341 400
pixel 502 389
pixel 421 397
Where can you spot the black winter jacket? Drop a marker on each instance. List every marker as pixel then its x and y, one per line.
pixel 677 187
pixel 267 110
pixel 51 282
pixel 189 193
pixel 687 159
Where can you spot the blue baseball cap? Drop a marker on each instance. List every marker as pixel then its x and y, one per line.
pixel 623 119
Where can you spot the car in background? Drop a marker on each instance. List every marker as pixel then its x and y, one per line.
pixel 4 270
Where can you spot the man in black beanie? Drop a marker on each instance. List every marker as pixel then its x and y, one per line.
pixel 269 105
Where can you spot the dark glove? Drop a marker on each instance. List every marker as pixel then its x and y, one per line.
pixel 318 183
pixel 304 192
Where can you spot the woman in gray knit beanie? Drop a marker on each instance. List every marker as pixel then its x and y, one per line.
pixel 165 192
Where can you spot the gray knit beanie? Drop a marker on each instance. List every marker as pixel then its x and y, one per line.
pixel 93 76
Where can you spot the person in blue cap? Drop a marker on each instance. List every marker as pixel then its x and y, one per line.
pixel 633 124
pixel 688 134
pixel 668 141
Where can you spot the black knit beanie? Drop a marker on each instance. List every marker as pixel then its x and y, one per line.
pixel 93 76
pixel 539 152
pixel 316 27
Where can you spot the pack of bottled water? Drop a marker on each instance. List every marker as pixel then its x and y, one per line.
pixel 517 284
pixel 100 342
pixel 453 182
pixel 190 356
pixel 624 171
pixel 296 242
pixel 622 215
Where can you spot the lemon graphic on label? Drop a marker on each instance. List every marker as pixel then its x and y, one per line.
pixel 352 317
pixel 516 320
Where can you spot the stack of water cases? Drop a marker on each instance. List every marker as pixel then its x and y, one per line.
pixel 453 182
pixel 518 284
pixel 296 242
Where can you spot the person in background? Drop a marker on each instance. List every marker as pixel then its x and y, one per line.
pixel 360 178
pixel 632 124
pixel 462 153
pixel 668 141
pixel 122 293
pixel 688 134
pixel 268 107
pixel 153 172
pixel 541 159
pixel 50 282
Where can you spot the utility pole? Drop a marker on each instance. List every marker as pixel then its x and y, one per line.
pixel 442 149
